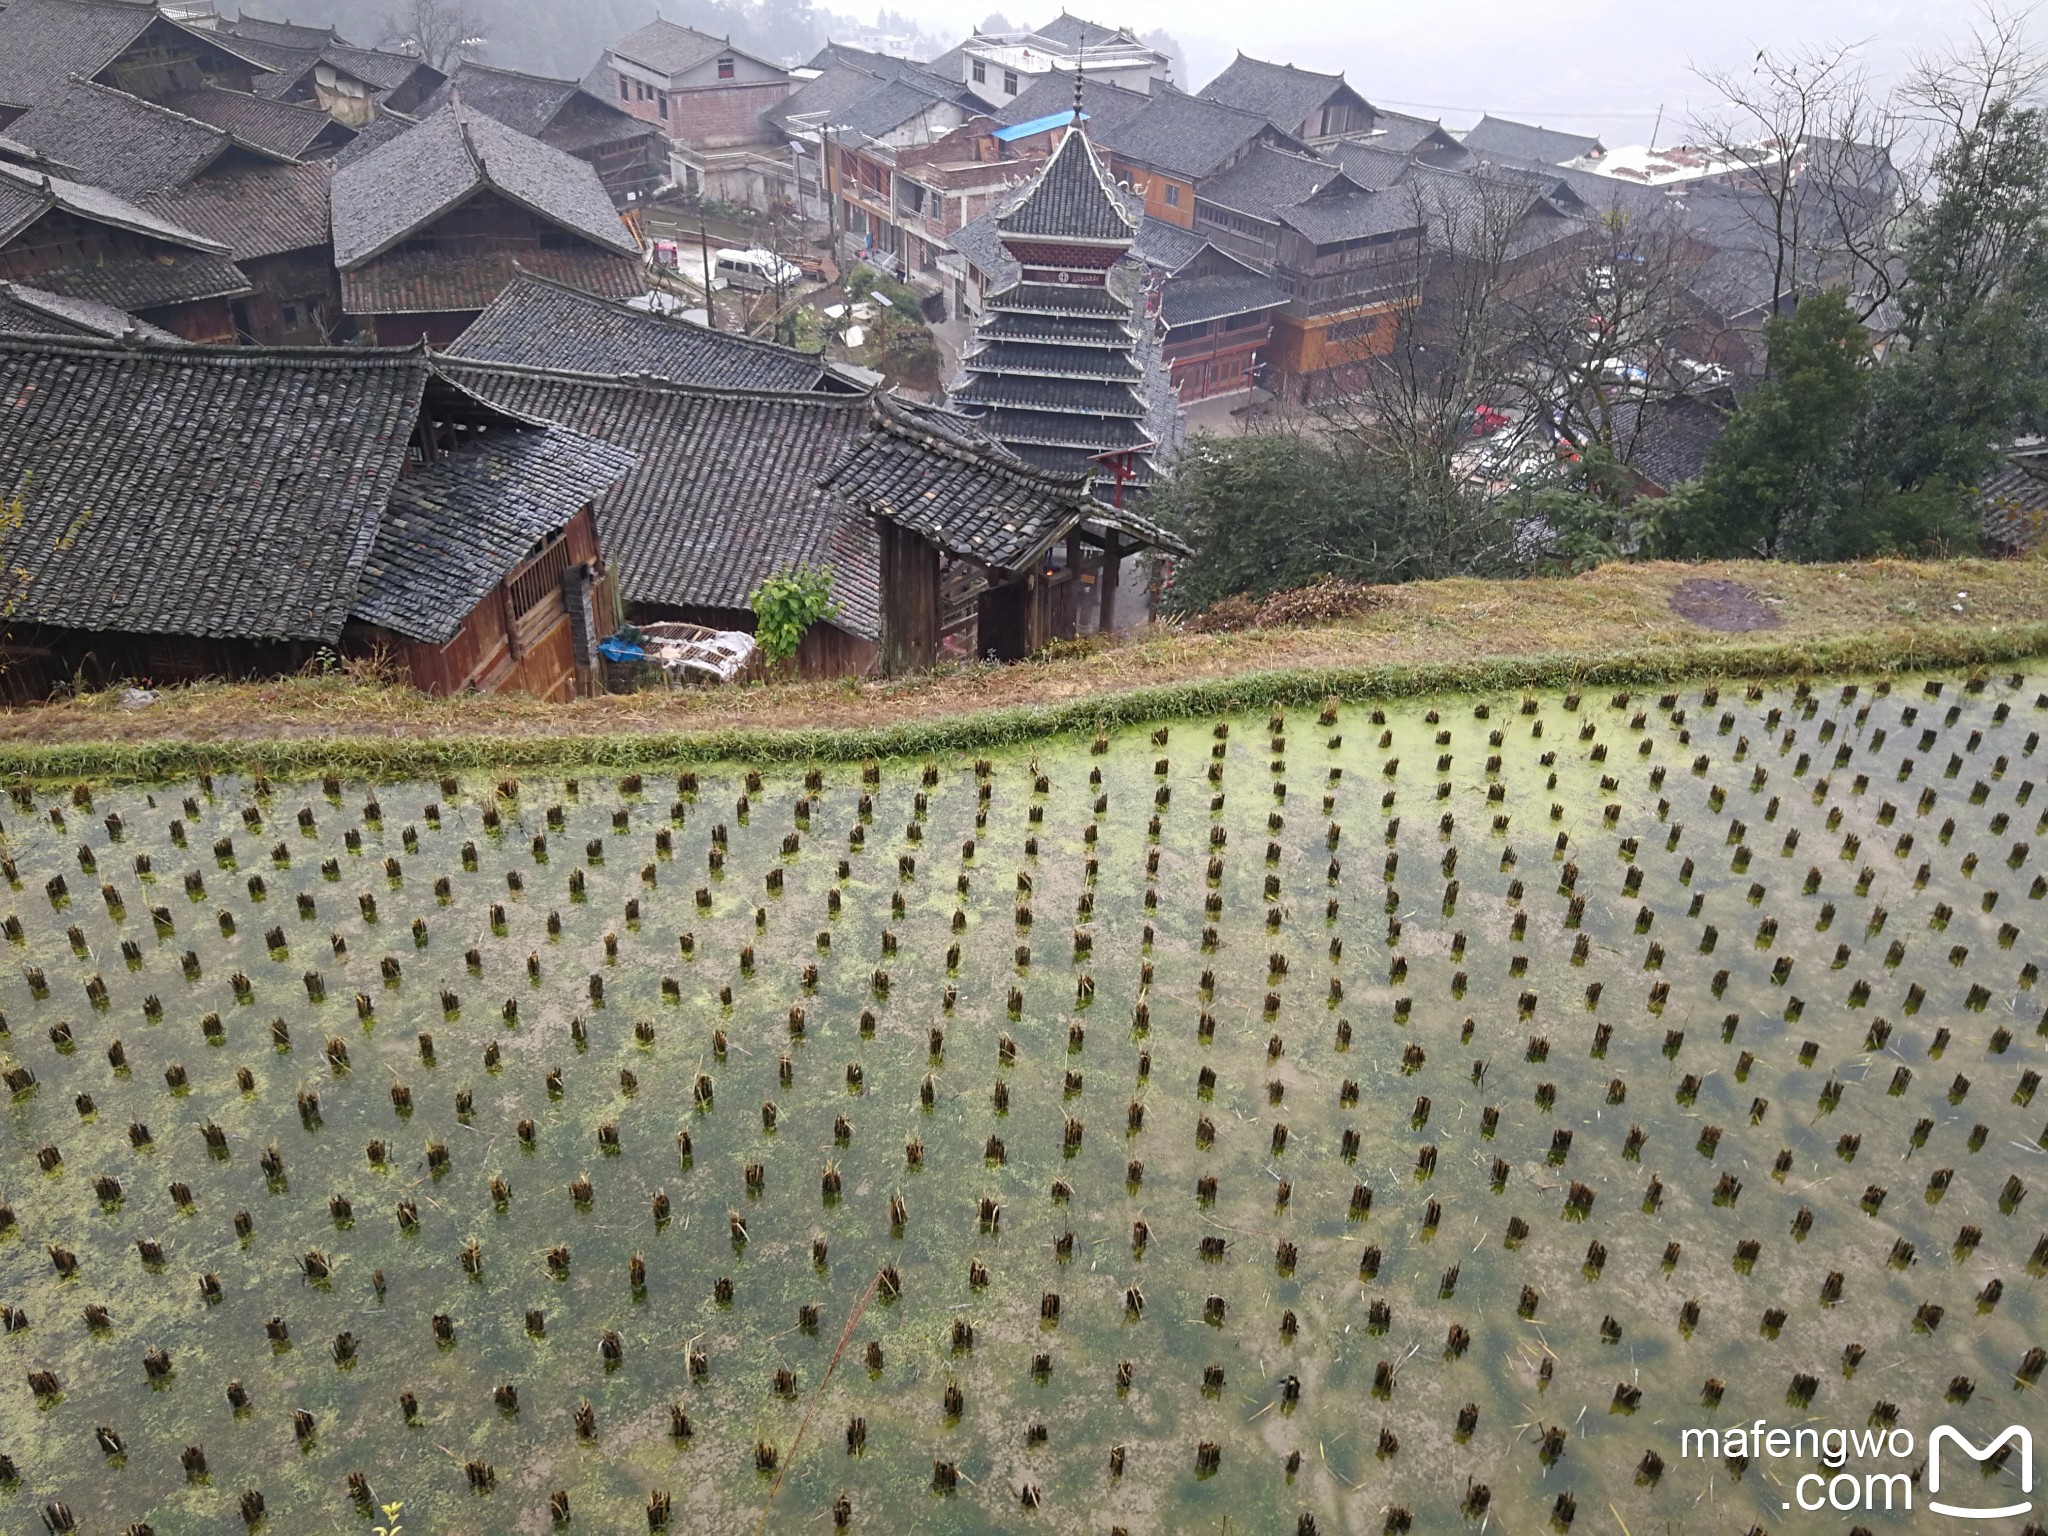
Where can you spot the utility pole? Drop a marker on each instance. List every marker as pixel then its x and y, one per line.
pixel 710 303
pixel 831 197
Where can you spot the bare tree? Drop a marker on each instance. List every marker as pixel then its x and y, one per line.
pixel 1420 378
pixel 1978 226
pixel 438 32
pixel 1808 150
pixel 1605 321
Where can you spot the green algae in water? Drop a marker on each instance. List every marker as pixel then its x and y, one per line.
pixel 1316 1176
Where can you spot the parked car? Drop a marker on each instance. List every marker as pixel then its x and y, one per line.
pixel 755 270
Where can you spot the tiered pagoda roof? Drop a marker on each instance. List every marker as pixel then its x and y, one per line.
pixel 1057 366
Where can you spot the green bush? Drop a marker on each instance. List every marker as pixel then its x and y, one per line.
pixel 788 604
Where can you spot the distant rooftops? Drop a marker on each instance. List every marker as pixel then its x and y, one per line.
pixel 1067 45
pixel 1524 141
pixel 666 48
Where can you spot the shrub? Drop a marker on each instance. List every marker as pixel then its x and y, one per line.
pixel 788 604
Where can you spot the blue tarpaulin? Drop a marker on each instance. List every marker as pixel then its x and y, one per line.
pixel 1036 125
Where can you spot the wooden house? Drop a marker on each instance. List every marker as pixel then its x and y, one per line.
pixel 630 156
pixel 82 243
pixel 539 323
pixel 901 503
pixel 950 503
pixel 319 67
pixel 430 226
pixel 130 45
pixel 274 221
pixel 294 502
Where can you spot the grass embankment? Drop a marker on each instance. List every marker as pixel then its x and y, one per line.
pixel 1615 625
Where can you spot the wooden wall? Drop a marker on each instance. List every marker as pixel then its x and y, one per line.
pixel 910 599
pixel 519 639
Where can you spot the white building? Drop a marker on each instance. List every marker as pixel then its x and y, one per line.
pixel 998 67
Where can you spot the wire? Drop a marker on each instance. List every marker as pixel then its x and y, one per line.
pixel 1517 112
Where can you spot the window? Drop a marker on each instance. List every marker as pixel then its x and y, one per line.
pixel 726 68
pixel 625 89
pixel 980 72
pixel 662 99
pixel 1172 195
pixel 1352 330
pixel 1009 82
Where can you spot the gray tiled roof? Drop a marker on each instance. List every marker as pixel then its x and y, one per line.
pixel 1342 210
pixel 404 185
pixel 1280 93
pixel 1666 441
pixel 290 34
pixel 1184 136
pixel 890 105
pixel 524 103
pixel 23 308
pixel 164 278
pixel 1079 32
pixel 457 527
pixel 374 135
pixel 200 491
pixel 978 241
pixel 26 195
pixel 1543 146
pixel 557 112
pixel 1103 105
pixel 725 493
pixel 180 266
pixel 1161 244
pixel 44 43
pixel 544 324
pixel 285 127
pixel 1065 299
pixel 383 72
pixel 936 475
pixel 1020 325
pixel 431 282
pixel 824 100
pixel 1073 198
pixel 996 353
pixel 669 49
pixel 1370 165
pixel 1404 135
pixel 1267 180
pixel 264 210
pixel 118 141
pixel 986 388
pixel 883 66
pixel 1197 300
pixel 2013 502
pixel 1056 429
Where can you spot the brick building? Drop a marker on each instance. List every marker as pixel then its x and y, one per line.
pixel 710 100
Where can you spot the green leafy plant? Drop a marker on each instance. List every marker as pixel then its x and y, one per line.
pixel 788 604
pixel 390 1527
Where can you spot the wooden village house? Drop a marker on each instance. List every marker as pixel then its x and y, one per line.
pixel 130 45
pixel 187 512
pixel 431 226
pixel 79 243
pixel 629 156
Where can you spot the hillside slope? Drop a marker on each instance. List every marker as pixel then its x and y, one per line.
pixel 1618 622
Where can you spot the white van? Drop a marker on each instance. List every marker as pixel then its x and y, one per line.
pixel 755 270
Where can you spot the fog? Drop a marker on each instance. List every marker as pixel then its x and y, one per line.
pixel 1622 70
pixel 1601 65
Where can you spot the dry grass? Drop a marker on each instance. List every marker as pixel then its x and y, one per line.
pixel 1885 606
